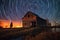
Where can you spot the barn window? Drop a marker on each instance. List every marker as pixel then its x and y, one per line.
pixel 28 15
pixel 33 24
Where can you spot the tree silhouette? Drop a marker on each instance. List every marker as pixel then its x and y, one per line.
pixel 0 24
pixel 11 25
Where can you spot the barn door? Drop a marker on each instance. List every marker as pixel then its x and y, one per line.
pixel 33 24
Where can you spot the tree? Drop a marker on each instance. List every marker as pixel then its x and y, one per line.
pixel 11 25
pixel 1 24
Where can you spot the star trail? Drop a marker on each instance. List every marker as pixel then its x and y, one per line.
pixel 16 9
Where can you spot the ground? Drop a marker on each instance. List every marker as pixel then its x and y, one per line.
pixel 27 34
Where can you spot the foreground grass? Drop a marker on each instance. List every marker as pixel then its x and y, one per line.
pixel 45 36
pixel 28 34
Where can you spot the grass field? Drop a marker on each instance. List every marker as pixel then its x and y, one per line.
pixel 27 34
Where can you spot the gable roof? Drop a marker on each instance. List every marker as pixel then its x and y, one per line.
pixel 30 13
pixel 33 14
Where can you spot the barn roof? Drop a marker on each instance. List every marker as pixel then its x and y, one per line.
pixel 33 14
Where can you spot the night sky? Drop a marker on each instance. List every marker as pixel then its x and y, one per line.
pixel 16 9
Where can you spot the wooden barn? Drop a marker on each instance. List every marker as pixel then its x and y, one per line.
pixel 33 20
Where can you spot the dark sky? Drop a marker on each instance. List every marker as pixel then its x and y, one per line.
pixel 16 9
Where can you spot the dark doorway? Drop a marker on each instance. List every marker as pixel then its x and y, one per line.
pixel 33 24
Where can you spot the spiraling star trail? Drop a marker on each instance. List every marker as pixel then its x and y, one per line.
pixel 16 9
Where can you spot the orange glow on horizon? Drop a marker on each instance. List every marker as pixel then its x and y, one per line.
pixel 6 24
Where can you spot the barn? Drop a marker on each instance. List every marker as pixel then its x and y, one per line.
pixel 31 19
